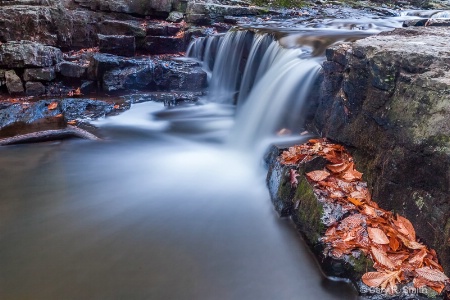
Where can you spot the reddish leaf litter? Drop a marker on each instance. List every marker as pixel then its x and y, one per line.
pixel 390 240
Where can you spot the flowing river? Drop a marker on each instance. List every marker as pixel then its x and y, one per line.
pixel 173 204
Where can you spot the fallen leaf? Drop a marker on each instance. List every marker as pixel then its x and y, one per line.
pixel 377 236
pixel 337 168
pixel 394 243
pixel 431 274
pixel 405 227
pixel 318 175
pixel 72 122
pixel 417 260
pixel 381 257
pixel 52 106
pixel 410 244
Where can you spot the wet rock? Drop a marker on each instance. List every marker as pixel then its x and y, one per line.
pixel 135 78
pixel 387 98
pixel 72 70
pixel 20 118
pixel 88 87
pixel 181 76
pixel 175 16
pixel 120 27
pixel 206 13
pixel 13 82
pixel 39 74
pixel 121 45
pixel 164 44
pixel 85 29
pixel 82 109
pixel 24 54
pixel 2 77
pixel 34 88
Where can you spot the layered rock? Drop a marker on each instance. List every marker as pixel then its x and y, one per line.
pixel 388 98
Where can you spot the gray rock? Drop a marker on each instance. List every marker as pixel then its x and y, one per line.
pixel 131 78
pixel 34 88
pixel 206 13
pixel 28 54
pixel 387 97
pixel 40 74
pixel 164 44
pixel 139 7
pixel 119 27
pixel 175 16
pixel 121 45
pixel 13 82
pixel 72 70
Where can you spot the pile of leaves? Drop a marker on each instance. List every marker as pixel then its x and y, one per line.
pixel 390 240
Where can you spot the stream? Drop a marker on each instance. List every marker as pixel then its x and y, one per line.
pixel 173 204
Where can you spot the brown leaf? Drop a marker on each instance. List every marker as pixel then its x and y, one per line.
pixel 381 257
pixel 411 244
pixel 394 243
pixel 351 174
pixel 337 168
pixel 354 201
pixel 431 274
pixel 377 236
pixel 77 92
pixel 52 105
pixel 72 122
pixel 405 227
pixel 417 260
pixel 318 175
pixel 374 279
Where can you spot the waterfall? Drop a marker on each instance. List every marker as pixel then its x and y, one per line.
pixel 270 84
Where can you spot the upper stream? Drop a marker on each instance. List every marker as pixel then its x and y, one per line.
pixel 173 204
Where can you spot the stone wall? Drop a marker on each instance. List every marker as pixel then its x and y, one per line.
pixel 387 97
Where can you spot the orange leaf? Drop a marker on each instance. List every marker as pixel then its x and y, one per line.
pixel 72 122
pixel 431 274
pixel 410 244
pixel 417 260
pixel 337 168
pixel 351 174
pixel 374 279
pixel 377 236
pixel 381 257
pixel 116 106
pixel 405 227
pixel 318 175
pixel 52 105
pixel 394 243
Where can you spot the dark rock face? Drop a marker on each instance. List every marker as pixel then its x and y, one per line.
pixel 164 44
pixel 388 99
pixel 72 70
pixel 40 74
pixel 28 54
pixel 140 7
pixel 34 88
pixel 13 83
pixel 207 12
pixel 121 45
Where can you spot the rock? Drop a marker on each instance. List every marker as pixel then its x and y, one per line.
pixel 13 82
pixel 28 54
pixel 50 25
pixel 164 44
pixel 131 78
pixel 82 109
pixel 175 16
pixel 207 13
pixel 387 98
pixel 180 76
pixel 40 74
pixel 138 7
pixel 85 29
pixel 2 77
pixel 119 27
pixel 72 70
pixel 117 44
pixel 34 88
pixel 18 119
pixel 88 87
pixel 99 63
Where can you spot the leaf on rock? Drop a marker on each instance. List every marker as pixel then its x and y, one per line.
pixel 377 236
pixel 338 168
pixel 405 227
pixel 52 106
pixel 417 260
pixel 411 244
pixel 381 257
pixel 375 279
pixel 431 274
pixel 394 243
pixel 351 174
pixel 318 175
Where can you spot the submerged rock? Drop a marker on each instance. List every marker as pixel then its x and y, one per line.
pixel 387 97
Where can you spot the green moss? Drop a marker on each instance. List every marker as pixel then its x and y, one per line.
pixel 361 264
pixel 310 211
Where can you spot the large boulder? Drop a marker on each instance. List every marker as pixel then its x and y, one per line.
pixel 387 97
pixel 199 12
pixel 50 25
pixel 24 54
